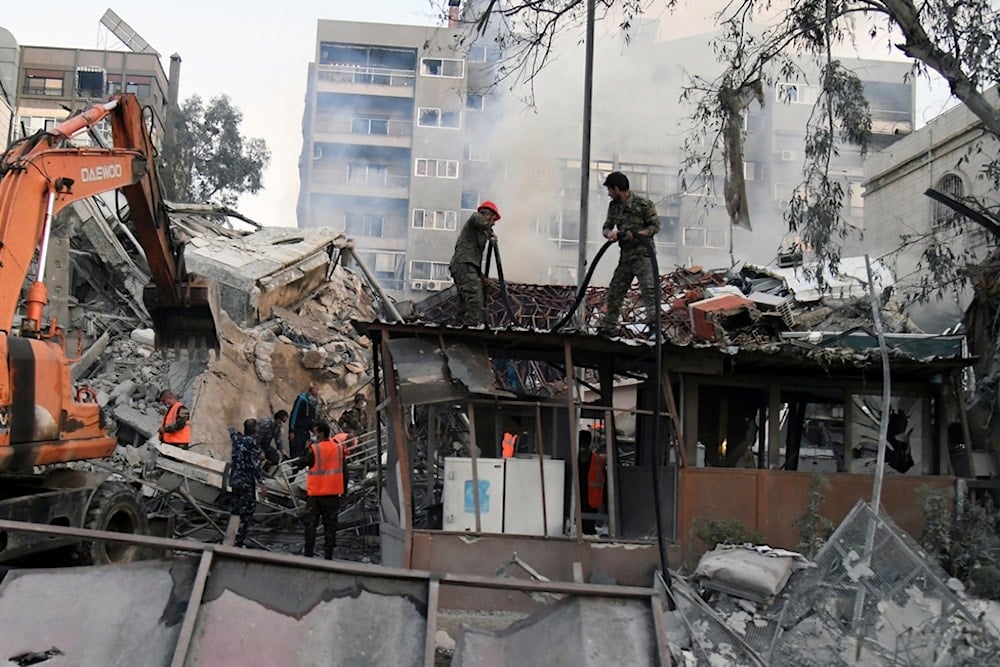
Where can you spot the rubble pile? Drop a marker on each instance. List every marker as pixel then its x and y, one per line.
pixel 748 306
pixel 887 603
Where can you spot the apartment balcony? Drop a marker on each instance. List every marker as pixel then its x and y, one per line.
pixel 341 178
pixel 362 131
pixel 365 80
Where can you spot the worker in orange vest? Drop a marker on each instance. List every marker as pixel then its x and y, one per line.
pixel 326 482
pixel 176 427
pixel 508 445
pixel 592 467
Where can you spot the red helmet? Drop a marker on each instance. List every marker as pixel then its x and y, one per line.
pixel 491 206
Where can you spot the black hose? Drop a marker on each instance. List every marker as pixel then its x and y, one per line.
pixel 657 416
pixel 582 292
pixel 658 392
pixel 504 295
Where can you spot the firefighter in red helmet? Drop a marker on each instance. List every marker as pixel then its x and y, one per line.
pixel 467 262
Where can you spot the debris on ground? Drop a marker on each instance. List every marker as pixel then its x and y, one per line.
pixel 873 598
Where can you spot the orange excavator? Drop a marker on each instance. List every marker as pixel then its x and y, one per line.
pixel 44 418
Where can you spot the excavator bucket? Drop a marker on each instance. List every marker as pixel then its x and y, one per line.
pixel 190 325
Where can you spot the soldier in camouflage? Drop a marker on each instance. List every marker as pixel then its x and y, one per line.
pixel 467 261
pixel 271 438
pixel 356 418
pixel 630 218
pixel 244 472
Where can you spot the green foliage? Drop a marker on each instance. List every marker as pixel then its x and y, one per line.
pixel 209 160
pixel 725 531
pixel 814 528
pixel 966 544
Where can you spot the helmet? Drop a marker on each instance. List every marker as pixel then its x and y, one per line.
pixel 491 206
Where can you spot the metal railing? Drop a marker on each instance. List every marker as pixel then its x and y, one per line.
pixel 373 127
pixel 372 76
pixel 336 173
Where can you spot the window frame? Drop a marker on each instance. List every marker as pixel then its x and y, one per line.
pixel 438 163
pixel 425 67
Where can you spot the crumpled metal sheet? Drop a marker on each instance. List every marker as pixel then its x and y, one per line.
pixel 422 372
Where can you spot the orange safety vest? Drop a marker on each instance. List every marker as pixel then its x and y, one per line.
pixel 181 437
pixel 326 475
pixel 595 480
pixel 509 443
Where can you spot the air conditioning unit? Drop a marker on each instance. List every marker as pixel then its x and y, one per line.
pixel 417 285
pixel 435 285
pixel 788 156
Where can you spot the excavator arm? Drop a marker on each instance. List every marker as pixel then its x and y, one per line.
pixel 38 178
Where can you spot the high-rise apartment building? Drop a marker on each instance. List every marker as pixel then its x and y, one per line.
pixel 403 135
pixel 385 156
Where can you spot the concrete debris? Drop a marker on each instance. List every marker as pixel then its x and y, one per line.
pixel 886 606
pixel 287 306
pixel 754 573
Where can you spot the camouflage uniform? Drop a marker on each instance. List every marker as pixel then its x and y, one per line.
pixel 354 419
pixel 466 268
pixel 633 216
pixel 244 472
pixel 269 431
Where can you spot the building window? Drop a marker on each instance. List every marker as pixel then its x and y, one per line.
pixel 700 237
pixel 424 219
pixel 470 200
pixel 28 125
pixel 436 168
pixel 560 275
pixel 562 226
pixel 951 185
pixel 432 117
pixel 446 67
pixel 474 153
pixel 388 267
pixel 367 125
pixel 43 82
pixel 796 93
pixel 421 270
pixel 363 224
pixel 475 102
pixel 367 174
pixel 90 83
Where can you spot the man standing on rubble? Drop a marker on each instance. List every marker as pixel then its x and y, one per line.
pixel 302 420
pixel 356 418
pixel 326 482
pixel 270 438
pixel 467 262
pixel 632 221
pixel 176 427
pixel 244 473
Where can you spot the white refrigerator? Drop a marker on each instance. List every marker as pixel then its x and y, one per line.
pixel 459 499
pixel 523 513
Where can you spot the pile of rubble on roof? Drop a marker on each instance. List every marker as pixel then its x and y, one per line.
pixel 747 306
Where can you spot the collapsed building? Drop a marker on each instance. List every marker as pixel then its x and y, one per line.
pixel 758 385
